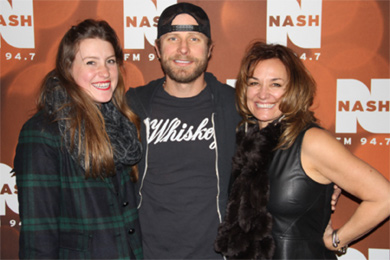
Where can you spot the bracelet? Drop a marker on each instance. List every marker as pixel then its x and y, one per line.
pixel 336 242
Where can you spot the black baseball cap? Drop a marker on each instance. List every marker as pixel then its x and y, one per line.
pixel 164 23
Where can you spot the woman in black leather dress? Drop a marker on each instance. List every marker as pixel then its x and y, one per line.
pixel 285 167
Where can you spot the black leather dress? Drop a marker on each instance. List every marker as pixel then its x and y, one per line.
pixel 300 207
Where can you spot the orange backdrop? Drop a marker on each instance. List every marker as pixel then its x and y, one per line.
pixel 345 44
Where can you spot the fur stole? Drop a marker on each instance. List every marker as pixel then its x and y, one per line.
pixel 245 232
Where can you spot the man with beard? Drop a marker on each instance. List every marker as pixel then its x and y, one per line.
pixel 188 132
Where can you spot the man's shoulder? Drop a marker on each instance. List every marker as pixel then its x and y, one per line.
pixel 148 88
pixel 223 93
pixel 218 85
pixel 145 91
pixel 139 98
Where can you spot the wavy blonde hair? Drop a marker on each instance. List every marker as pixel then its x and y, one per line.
pixel 300 90
pixel 99 156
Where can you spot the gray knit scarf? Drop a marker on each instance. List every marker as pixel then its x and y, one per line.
pixel 122 133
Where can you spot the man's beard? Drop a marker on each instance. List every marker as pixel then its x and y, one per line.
pixel 183 75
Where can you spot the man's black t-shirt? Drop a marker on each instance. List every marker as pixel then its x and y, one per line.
pixel 178 212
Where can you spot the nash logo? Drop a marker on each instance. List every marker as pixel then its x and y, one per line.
pixel 8 190
pixel 140 21
pixel 17 23
pixel 300 21
pixel 355 104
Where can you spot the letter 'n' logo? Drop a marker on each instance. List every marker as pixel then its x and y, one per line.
pixel 355 104
pixel 300 21
pixel 8 190
pixel 140 21
pixel 17 23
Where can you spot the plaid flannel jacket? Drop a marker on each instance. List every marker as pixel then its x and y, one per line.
pixel 65 215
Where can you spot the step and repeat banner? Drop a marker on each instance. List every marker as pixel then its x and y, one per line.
pixel 345 44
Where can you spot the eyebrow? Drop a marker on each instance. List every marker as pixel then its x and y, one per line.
pixel 273 79
pixel 95 57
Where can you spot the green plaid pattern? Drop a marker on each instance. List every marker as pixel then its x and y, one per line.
pixel 65 215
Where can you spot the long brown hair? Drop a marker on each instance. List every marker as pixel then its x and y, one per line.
pixel 296 101
pixel 99 157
